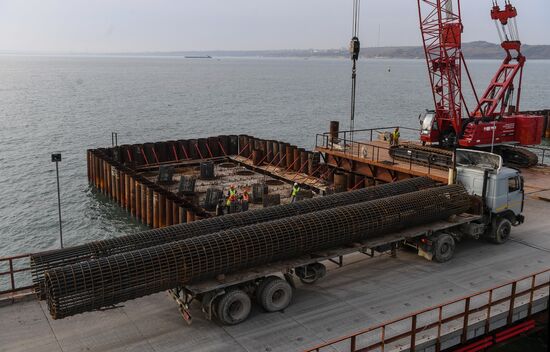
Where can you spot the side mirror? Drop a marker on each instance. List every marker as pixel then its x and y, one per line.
pixel 521 183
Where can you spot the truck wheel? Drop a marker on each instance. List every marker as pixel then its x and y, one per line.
pixel 275 295
pixel 444 248
pixel 261 286
pixel 233 307
pixel 501 230
pixel 315 272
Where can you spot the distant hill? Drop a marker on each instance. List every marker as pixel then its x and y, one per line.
pixel 473 50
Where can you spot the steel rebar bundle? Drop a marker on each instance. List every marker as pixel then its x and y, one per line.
pixel 40 262
pixel 110 280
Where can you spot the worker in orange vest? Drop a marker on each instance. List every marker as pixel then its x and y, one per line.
pixel 245 200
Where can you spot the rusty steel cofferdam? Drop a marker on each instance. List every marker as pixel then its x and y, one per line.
pixel 106 281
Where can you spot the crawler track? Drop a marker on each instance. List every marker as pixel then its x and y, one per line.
pixel 423 155
pixel 443 159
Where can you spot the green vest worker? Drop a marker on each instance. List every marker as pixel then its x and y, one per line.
pixel 231 196
pixel 395 136
pixel 294 194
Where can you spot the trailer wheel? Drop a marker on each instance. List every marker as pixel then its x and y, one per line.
pixel 314 272
pixel 233 307
pixel 501 230
pixel 261 286
pixel 275 295
pixel 444 248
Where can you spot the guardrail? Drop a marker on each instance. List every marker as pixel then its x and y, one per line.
pixel 406 132
pixel 11 267
pixel 542 153
pixel 368 134
pixel 374 153
pixel 456 315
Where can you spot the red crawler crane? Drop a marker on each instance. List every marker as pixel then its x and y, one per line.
pixel 494 122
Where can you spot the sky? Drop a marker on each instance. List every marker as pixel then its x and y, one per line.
pixel 100 26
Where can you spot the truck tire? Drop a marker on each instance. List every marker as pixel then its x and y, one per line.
pixel 262 284
pixel 319 271
pixel 501 230
pixel 233 307
pixel 275 295
pixel 444 248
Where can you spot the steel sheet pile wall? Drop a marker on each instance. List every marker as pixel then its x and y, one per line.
pixel 40 262
pixel 115 172
pixel 110 280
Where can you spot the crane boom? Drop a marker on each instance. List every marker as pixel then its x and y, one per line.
pixel 495 120
pixel 498 95
pixel 441 28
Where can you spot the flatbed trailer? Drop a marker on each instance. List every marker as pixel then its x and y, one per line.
pixel 309 268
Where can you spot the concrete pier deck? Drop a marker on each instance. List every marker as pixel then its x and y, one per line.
pixel 364 292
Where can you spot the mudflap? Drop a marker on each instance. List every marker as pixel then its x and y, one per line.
pixel 185 313
pixel 183 304
pixel 426 254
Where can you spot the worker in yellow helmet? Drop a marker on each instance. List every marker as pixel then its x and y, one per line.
pixel 294 194
pixel 394 139
pixel 231 197
pixel 232 191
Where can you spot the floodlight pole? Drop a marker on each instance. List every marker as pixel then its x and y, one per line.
pixel 57 158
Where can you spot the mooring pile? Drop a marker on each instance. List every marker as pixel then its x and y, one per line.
pixel 110 280
pixel 40 262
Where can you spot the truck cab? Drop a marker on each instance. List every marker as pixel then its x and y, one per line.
pixel 499 189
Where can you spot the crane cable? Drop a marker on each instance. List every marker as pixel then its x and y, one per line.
pixel 354 48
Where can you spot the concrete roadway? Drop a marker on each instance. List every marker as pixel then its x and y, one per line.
pixel 364 292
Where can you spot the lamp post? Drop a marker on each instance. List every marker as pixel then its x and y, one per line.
pixel 56 158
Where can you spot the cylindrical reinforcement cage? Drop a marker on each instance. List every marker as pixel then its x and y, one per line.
pixel 110 280
pixel 40 262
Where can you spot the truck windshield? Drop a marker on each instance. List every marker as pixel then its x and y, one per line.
pixel 513 184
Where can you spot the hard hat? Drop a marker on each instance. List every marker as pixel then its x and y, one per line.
pixel 295 184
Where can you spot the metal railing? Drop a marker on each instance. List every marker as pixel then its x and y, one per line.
pixel 12 267
pixel 429 325
pixel 368 135
pixel 406 132
pixel 542 153
pixel 371 152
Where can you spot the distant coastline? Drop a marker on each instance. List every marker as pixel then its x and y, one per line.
pixel 473 50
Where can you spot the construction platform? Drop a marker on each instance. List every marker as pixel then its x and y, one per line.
pixel 366 153
pixel 172 182
pixel 364 292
